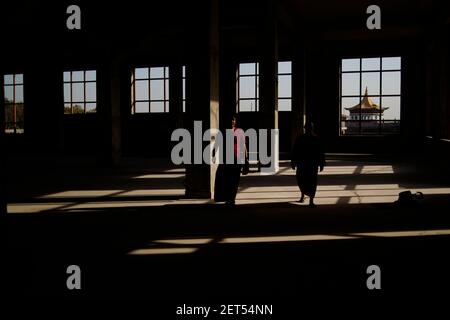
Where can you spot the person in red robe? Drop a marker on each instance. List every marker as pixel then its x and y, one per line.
pixel 228 175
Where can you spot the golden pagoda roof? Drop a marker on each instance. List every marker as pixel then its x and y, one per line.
pixel 367 105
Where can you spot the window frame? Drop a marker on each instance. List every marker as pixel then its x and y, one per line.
pixel 254 98
pixel 16 130
pixel 84 82
pixel 380 96
pixel 278 79
pixel 166 87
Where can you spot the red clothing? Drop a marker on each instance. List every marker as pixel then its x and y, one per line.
pixel 239 141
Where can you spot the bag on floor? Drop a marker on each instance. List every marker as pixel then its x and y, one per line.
pixel 409 198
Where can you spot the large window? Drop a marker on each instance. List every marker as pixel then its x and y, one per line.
pixel 248 86
pixel 285 86
pixel 80 92
pixel 184 88
pixel 14 103
pixel 150 90
pixel 370 96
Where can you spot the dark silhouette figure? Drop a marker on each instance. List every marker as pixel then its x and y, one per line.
pixel 409 199
pixel 307 157
pixel 228 175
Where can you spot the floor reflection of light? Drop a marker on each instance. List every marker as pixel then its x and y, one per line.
pixel 85 207
pixel 376 186
pixel 199 242
pixel 355 170
pixel 175 170
pixel 346 170
pixel 326 195
pixel 161 176
pixel 400 234
pixel 285 238
pixel 152 192
pixel 184 241
pixel 18 208
pixel 157 251
pixel 81 194
pixel 332 194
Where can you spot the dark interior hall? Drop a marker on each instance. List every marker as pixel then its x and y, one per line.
pixel 86 142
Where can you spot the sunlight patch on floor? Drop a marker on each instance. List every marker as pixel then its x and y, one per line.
pixel 199 242
pixel 80 194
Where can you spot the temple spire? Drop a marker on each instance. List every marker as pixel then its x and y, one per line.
pixel 366 93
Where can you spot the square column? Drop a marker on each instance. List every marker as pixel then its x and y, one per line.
pixel 202 96
pixel 268 83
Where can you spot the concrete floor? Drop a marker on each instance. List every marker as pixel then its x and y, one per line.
pixel 134 234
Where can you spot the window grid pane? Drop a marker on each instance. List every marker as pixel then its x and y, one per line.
pixel 370 96
pixel 285 86
pixel 248 87
pixel 13 90
pixel 80 91
pixel 150 90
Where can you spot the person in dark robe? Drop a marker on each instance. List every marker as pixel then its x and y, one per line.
pixel 308 158
pixel 228 174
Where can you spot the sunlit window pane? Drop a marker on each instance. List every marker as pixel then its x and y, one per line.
pixel 371 82
pixel 350 65
pixel 391 82
pixel 8 78
pixel 284 86
pixel 80 91
pixel 19 94
pixel 141 73
pixel 156 73
pixel 394 63
pixel 247 69
pixel 9 93
pixel 376 108
pixel 156 106
pixel 371 64
pixel 284 105
pixel 247 105
pixel 350 84
pixel 247 87
pixel 284 67
pixel 157 90
pixel 19 79
pixel 78 76
pixel 91 91
pixel 91 75
pixel 142 107
pixel 66 76
pixel 151 85
pixel 91 107
pixel 141 88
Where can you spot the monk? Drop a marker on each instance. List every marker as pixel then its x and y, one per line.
pixel 308 158
pixel 228 174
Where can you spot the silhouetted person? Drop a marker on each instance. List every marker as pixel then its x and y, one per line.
pixel 307 157
pixel 228 175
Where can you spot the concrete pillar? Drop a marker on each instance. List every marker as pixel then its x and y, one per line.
pixel 2 156
pixel 298 94
pixel 437 78
pixel 110 110
pixel 176 94
pixel 444 99
pixel 202 100
pixel 43 115
pixel 268 79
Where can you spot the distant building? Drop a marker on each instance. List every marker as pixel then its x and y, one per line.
pixel 366 110
pixel 367 118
